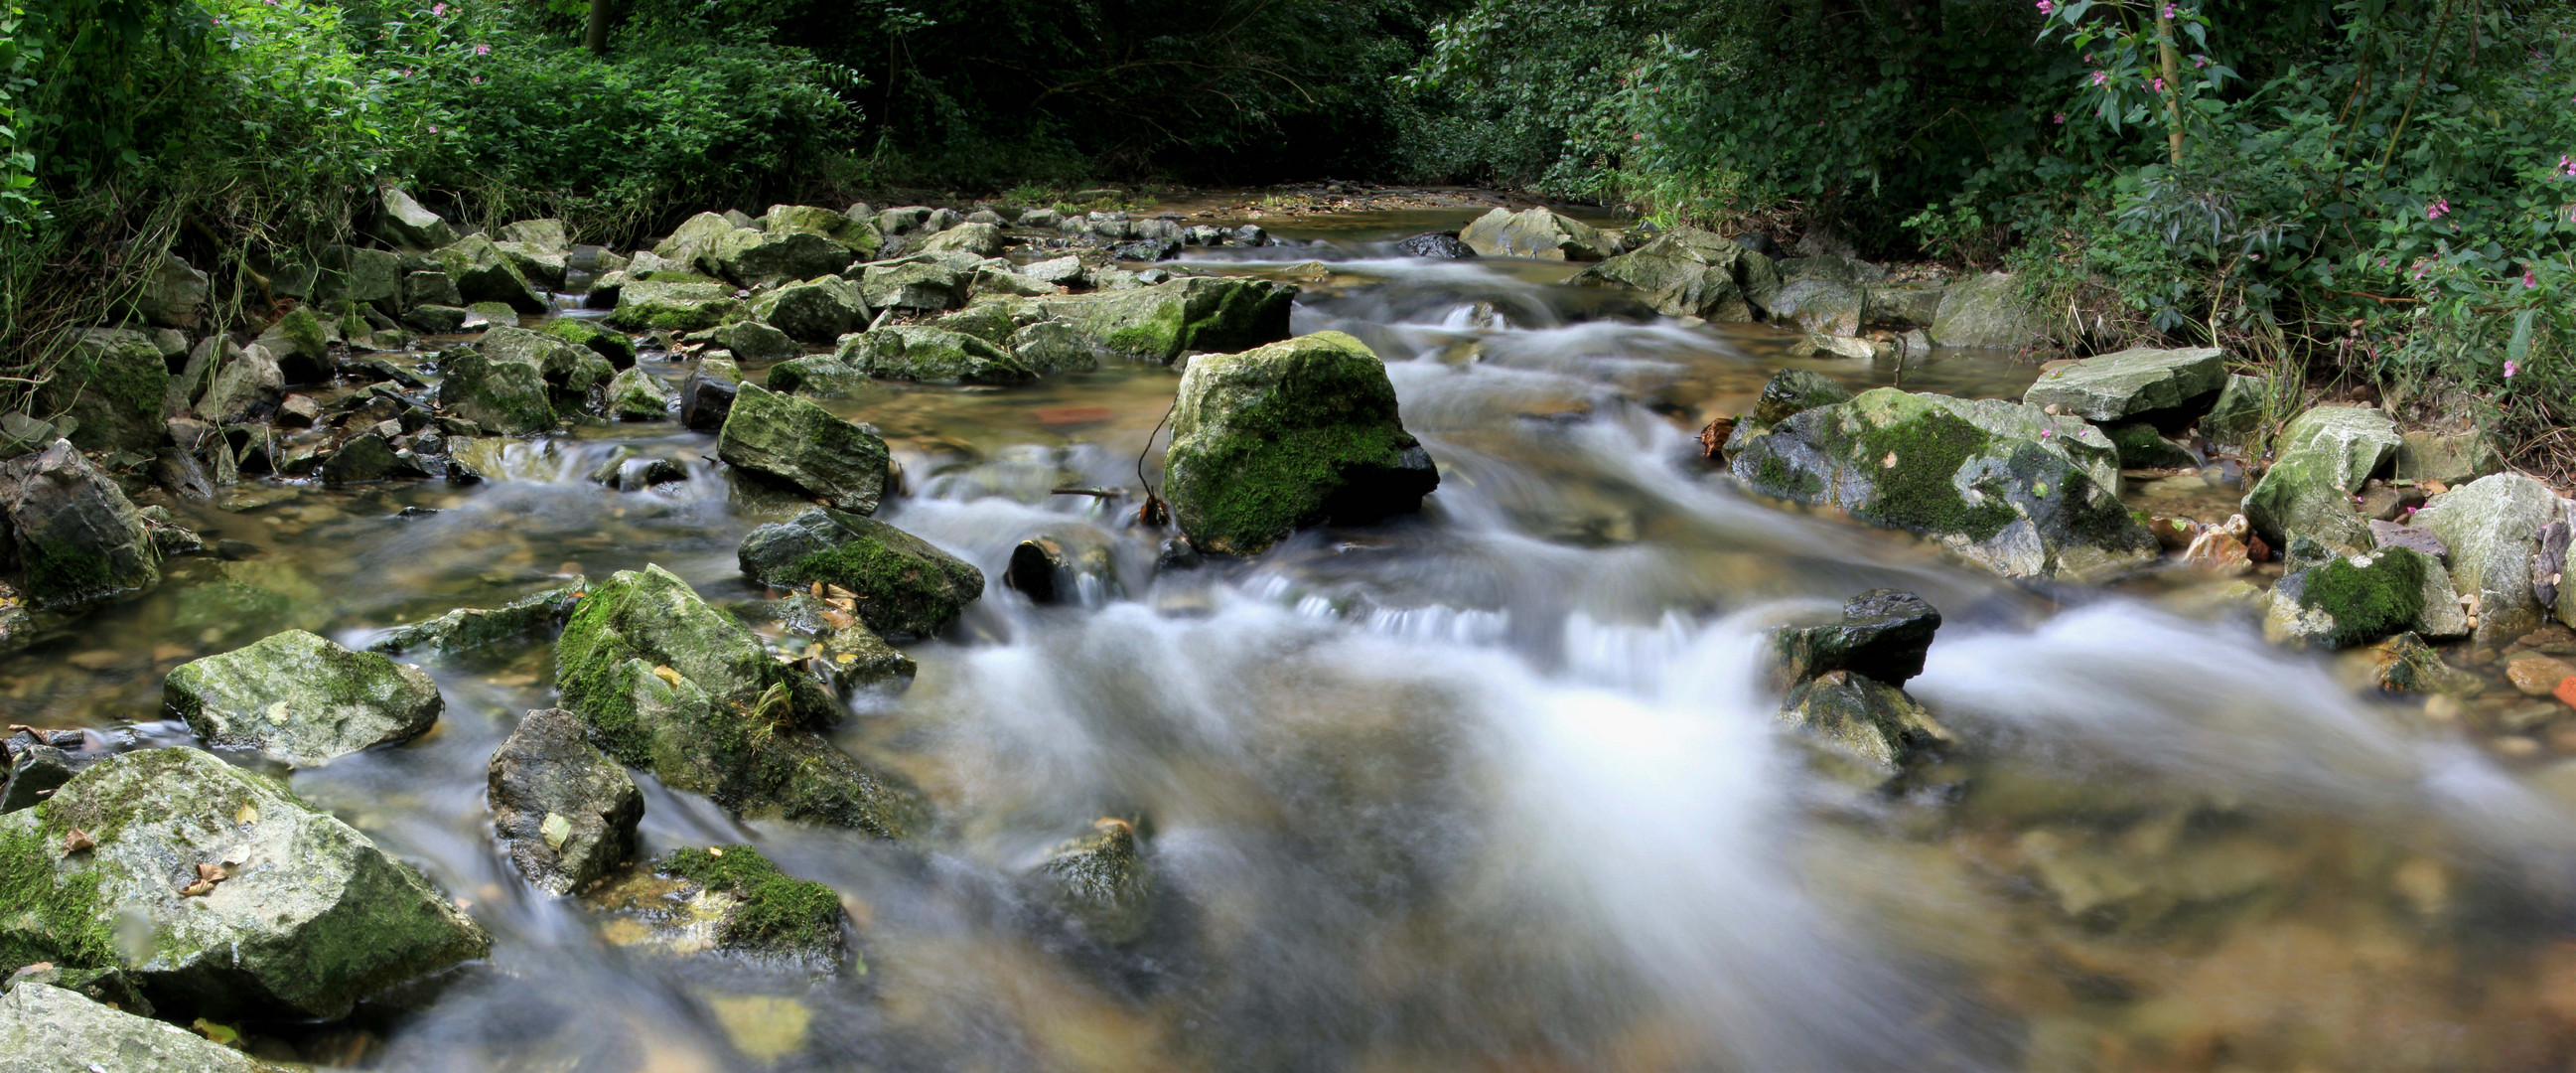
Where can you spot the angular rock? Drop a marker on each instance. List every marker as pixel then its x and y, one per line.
pixel 858 236
pixel 916 284
pixel 1790 392
pixel 990 281
pixel 2492 526
pixel 69 534
pixel 752 340
pixel 484 274
pixel 690 242
pixel 706 397
pixel 1872 720
pixel 614 346
pixel 2345 602
pixel 679 306
pixel 404 223
pixel 1692 273
pixel 301 346
pixel 1289 435
pixel 1986 311
pixel 1850 272
pixel 795 441
pixel 365 457
pixel 1884 635
pixel 2325 456
pixel 1066 270
pixel 565 810
pixel 301 698
pixel 1053 346
pixel 468 628
pixel 1194 313
pixel 2142 447
pixel 245 387
pixel 982 240
pixel 174 294
pixel 505 397
pixel 668 683
pixel 2449 457
pixel 2135 381
pixel 819 376
pixel 1903 307
pixel 363 276
pixel 547 233
pixel 905 587
pixel 232 898
pixel 47 1029
pixel 438 319
pixel 636 395
pixel 1436 246
pixel 1100 881
pixel 2015 490
pixel 1536 233
pixel 110 385
pixel 759 259
pixel 992 322
pixel 1818 306
pixel 430 289
pixel 815 311
pixel 920 352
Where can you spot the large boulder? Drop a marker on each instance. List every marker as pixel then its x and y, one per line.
pixel 2344 602
pixel 858 236
pixel 920 352
pixel 112 383
pixel 2139 380
pixel 1288 435
pixel 668 683
pixel 614 346
pixel 484 274
pixel 566 812
pixel 760 259
pixel 2492 526
pixel 919 283
pixel 793 440
pixel 217 893
pixel 1986 311
pixel 904 587
pixel 2325 456
pixel 815 311
pixel 301 698
pixel 69 534
pixel 174 294
pixel 690 242
pixel 1536 233
pixel 505 397
pixel 247 386
pixel 1692 273
pixel 982 240
pixel 1166 320
pixel 680 305
pixel 47 1029
pixel 1819 306
pixel 405 223
pixel 363 276
pixel 2021 492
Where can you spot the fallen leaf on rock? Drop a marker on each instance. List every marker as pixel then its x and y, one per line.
pixel 218 1033
pixel 666 674
pixel 78 840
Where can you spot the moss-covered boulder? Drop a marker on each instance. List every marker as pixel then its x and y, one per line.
pixel 1536 233
pixel 690 242
pixel 858 236
pixel 2325 456
pixel 2492 526
pixel 1987 311
pixel 1692 273
pixel 2018 491
pixel 2357 600
pixel 504 397
pixel 815 311
pixel 729 900
pixel 817 376
pixel 672 305
pixel 1872 721
pixel 919 283
pixel 301 698
pixel 484 274
pixel 563 809
pixel 247 385
pixel 1053 346
pixel 636 395
pixel 2136 381
pixel 759 259
pixel 982 240
pixel 111 383
pixel 68 533
pixel 1293 434
pixel 921 352
pixel 667 683
pixel 217 893
pixel 789 439
pixel 1791 392
pixel 48 1029
pixel 405 223
pixel 752 340
pixel 904 587
pixel 1817 306
pixel 1101 882
pixel 1166 320
pixel 614 346
pixel 468 628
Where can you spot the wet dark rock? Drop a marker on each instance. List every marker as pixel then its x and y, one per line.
pixel 503 396
pixel 301 698
pixel 2142 447
pixel 1289 435
pixel 435 319
pixel 1055 566
pixel 246 386
pixel 802 444
pixel 1436 245
pixel 667 683
pixel 1790 392
pixel 1876 722
pixel 35 772
pixel 366 457
pixel 239 901
pixel 68 533
pixel 1101 883
pixel 1151 249
pixel 1691 273
pixel 108 388
pixel 566 812
pixel 706 397
pixel 483 273
pixel 51 1029
pixel 468 628
pixel 1759 243
pixel 628 473
pixel 736 901
pixel 2405 664
pixel 1884 634
pixel 905 588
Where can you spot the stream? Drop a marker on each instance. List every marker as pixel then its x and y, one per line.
pixel 1492 787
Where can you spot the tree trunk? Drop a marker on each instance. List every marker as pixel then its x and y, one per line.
pixel 2172 65
pixel 597 37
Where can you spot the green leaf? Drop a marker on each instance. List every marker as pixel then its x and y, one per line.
pixel 2519 349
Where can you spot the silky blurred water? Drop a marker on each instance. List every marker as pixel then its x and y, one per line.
pixel 1493 787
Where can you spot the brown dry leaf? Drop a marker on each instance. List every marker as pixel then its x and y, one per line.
pixel 844 603
pixel 210 872
pixel 714 852
pixel 666 674
pixel 817 590
pixel 840 593
pixel 198 889
pixel 838 619
pixel 78 840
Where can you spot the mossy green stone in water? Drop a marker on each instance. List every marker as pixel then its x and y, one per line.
pixel 789 439
pixel 919 352
pixel 1285 436
pixel 504 397
pixel 780 915
pixel 906 587
pixel 614 346
pixel 2345 601
pixel 302 698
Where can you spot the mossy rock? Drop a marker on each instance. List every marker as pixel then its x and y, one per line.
pixel 309 918
pixel 690 242
pixel 2132 382
pixel 1289 435
pixel 792 440
pixel 982 240
pixel 1536 233
pixel 2142 447
pixel 771 914
pixel 816 376
pixel 636 395
pixel 815 311
pixel 668 683
pixel 1164 321
pixel 992 321
pixel 906 587
pixel 760 259
pixel 1817 306
pixel 1987 311
pixel 111 383
pixel 505 397
pixel 752 340
pixel 921 352
pixel 483 273
pixel 919 283
pixel 74 537
pixel 1100 881
pixel 679 306
pixel 1053 346
pixel 1875 722
pixel 2325 456
pixel 858 236
pixel 614 346
pixel 1795 391
pixel 301 698
pixel 1692 273
pixel 469 628
pixel 45 1029
pixel 2020 492
pixel 2344 602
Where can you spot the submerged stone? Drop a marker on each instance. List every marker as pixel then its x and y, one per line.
pixel 218 894
pixel 1884 634
pixel 1289 435
pixel 905 587
pixel 565 811
pixel 301 698
pixel 1870 719
pixel 729 899
pixel 468 628
pixel 2407 665
pixel 795 441
pixel 1101 883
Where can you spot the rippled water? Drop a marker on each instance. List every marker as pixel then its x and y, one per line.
pixel 1489 788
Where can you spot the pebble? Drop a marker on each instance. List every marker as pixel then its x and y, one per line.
pixel 2538 676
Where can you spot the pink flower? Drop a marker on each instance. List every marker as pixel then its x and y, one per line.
pixel 2438 209
pixel 2100 77
pixel 482 50
pixel 478 80
pixel 2567 165
pixel 2047 7
pixel 2529 281
pixel 433 130
pixel 2061 118
pixel 2047 432
pixel 437 10
pixel 2169 11
pixel 2510 368
pixel 2159 83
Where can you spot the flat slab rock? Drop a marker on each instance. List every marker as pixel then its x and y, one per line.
pixel 2131 382
pixel 46 1029
pixel 301 698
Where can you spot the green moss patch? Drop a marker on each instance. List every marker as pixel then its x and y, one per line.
pixel 45 917
pixel 780 914
pixel 2367 602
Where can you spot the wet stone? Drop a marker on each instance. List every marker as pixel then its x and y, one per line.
pixel 629 474
pixel 905 588
pixel 301 698
pixel 468 628
pixel 1885 634
pixel 35 772
pixel 802 444
pixel 1794 391
pixel 1101 883
pixel 565 810
pixel 48 1029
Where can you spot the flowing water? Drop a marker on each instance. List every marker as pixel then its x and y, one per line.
pixel 1494 787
